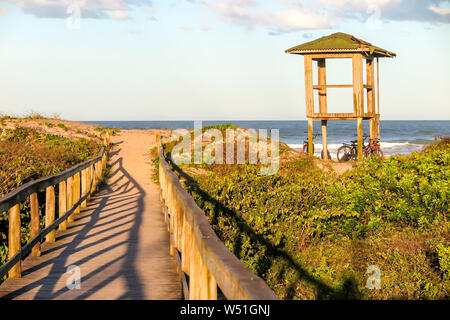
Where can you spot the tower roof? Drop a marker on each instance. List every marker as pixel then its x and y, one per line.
pixel 339 43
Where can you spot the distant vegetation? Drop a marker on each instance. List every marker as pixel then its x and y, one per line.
pixel 27 154
pixel 62 126
pixel 313 234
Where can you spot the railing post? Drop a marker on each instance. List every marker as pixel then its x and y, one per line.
pixel 100 169
pixel 185 246
pixel 93 177
pixel 76 193
pixel 89 179
pixel 35 224
pixel 84 185
pixel 14 245
pixel 104 161
pixel 50 212
pixel 70 198
pixel 208 285
pixel 62 203
pixel 194 276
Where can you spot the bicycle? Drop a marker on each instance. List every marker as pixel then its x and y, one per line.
pixel 306 146
pixel 350 151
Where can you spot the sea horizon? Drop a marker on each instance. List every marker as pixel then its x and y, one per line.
pixel 397 136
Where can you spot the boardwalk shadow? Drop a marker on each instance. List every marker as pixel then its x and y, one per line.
pixel 111 239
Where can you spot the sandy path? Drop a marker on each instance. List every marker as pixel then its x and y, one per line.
pixel 120 242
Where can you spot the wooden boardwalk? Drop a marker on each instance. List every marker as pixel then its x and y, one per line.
pixel 120 241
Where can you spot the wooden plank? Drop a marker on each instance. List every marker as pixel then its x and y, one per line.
pixel 324 140
pixel 120 246
pixel 371 96
pixel 310 137
pixel 358 90
pixel 14 240
pixel 378 99
pixel 35 224
pixel 84 186
pixel 309 94
pixel 62 204
pixel 50 212
pixel 330 55
pixel 77 191
pixel 322 78
pixel 70 198
pixel 360 138
pixel 320 87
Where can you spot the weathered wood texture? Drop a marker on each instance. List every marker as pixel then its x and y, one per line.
pixel 321 66
pixel 359 113
pixel 119 242
pixel 50 211
pixel 14 240
pixel 205 258
pixel 309 94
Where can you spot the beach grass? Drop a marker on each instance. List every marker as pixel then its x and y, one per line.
pixel 313 234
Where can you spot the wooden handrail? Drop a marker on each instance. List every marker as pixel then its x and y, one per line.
pixel 91 171
pixel 204 257
pixel 23 192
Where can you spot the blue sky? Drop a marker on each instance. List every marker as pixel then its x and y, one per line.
pixel 212 59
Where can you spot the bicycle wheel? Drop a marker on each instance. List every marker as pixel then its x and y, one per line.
pixel 345 153
pixel 375 152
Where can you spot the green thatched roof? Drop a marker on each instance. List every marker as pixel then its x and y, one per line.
pixel 339 42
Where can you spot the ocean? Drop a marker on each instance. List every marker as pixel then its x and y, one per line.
pixel 397 137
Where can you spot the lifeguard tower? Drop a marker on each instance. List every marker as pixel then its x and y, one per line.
pixel 341 46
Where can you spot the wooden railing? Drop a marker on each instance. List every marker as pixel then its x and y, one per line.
pixel 199 252
pixel 75 187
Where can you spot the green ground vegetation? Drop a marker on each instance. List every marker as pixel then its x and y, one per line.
pixel 312 234
pixel 27 154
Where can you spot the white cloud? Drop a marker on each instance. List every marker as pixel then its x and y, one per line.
pixel 294 15
pixel 113 9
pixel 249 13
pixel 439 10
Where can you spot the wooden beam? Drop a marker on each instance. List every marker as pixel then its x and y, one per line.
pixel 320 87
pixel 310 137
pixel 378 99
pixel 14 240
pixel 84 186
pixel 309 94
pixel 62 203
pixel 70 198
pixel 371 96
pixel 35 224
pixel 324 140
pixel 317 56
pixel 358 90
pixel 360 138
pixel 322 78
pixel 50 212
pixel 77 190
